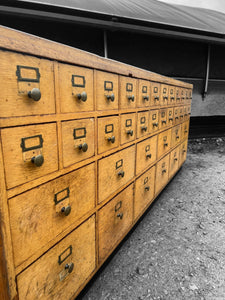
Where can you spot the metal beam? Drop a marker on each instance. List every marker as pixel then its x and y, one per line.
pixel 105 45
pixel 207 74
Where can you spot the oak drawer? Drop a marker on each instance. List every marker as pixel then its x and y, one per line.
pixel 155 94
pixel 162 173
pixel 184 130
pixel 108 133
pixel 178 95
pixel 181 113
pixel 163 121
pixel 164 142
pixel 170 116
pixel 174 161
pixel 128 127
pixel 142 123
pixel 171 94
pixel 153 120
pixel 175 135
pixel 144 93
pixel 183 152
pixel 164 95
pixel 127 92
pixel 176 115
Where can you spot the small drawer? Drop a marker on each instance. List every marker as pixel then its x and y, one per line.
pixel 75 89
pixel 128 92
pixel 56 205
pixel 175 135
pixel 186 96
pixel 114 220
pixel 115 171
pixel 174 161
pixel 155 94
pixel 106 91
pixel 164 142
pixel 185 111
pixel 77 140
pixel 27 85
pixel 170 116
pixel 144 191
pixel 162 173
pixel 142 123
pixel 29 152
pixel 172 95
pixel 144 93
pixel 178 95
pixel 153 120
pixel 164 95
pixel 189 95
pixel 184 130
pixel 183 95
pixel 146 153
pixel 176 115
pixel 163 121
pixel 183 152
pixel 181 113
pixel 108 133
pixel 60 272
pixel 128 128
pixel 189 110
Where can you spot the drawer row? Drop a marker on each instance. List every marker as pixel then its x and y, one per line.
pixel 73 259
pixel 30 86
pixel 30 152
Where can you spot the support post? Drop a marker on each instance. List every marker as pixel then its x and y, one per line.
pixel 207 75
pixel 105 45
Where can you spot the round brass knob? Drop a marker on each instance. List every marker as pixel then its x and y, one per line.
pixel 66 210
pixel 111 97
pixel 130 132
pixel 148 155
pixel 83 147
pixel 38 160
pixel 82 96
pixel 35 94
pixel 131 98
pixel 121 173
pixel 69 267
pixel 147 188
pixel 112 139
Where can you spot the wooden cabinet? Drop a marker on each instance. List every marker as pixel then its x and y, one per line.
pixel 86 145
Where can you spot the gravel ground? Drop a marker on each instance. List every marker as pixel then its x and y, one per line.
pixel 177 249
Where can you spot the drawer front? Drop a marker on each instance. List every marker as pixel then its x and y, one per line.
pixel 128 92
pixel 174 161
pixel 144 191
pixel 142 123
pixel 185 112
pixel 164 95
pixel 183 95
pixel 178 95
pixel 163 121
pixel 153 120
pixel 189 95
pixel 183 152
pixel 175 135
pixel 162 173
pixel 176 115
pixel 172 95
pixel 181 113
pixel 146 153
pixel 189 110
pixel 164 142
pixel 75 88
pixel 108 133
pixel 63 269
pixel 170 116
pixel 128 128
pixel 27 85
pixel 56 205
pixel 106 91
pixel 78 140
pixel 155 94
pixel 144 93
pixel 29 152
pixel 184 130
pixel 115 171
pixel 114 220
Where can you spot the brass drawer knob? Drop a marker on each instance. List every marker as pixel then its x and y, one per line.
pixel 170 119
pixel 155 124
pixel 83 147
pixel 163 171
pixel 66 210
pixel 69 267
pixel 145 98
pixel 121 173
pixel 163 121
pixel 165 144
pixel 172 98
pixel 110 97
pixel 184 151
pixel 112 139
pixel 176 118
pixel 148 155
pixel 35 94
pixel 147 188
pixel 156 98
pixel 130 132
pixel 181 116
pixel 120 215
pixel 144 128
pixel 38 160
pixel 82 96
pixel 165 98
pixel 185 131
pixel 175 159
pixel 131 98
pixel 177 137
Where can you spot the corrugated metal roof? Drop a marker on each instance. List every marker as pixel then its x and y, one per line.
pixel 151 11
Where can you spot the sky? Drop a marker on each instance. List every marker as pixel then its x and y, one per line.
pixel 218 5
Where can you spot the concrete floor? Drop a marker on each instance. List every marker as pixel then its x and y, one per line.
pixel 177 249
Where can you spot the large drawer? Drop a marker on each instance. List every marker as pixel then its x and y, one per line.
pixel 63 269
pixel 27 85
pixel 114 220
pixel 164 142
pixel 29 152
pixel 128 127
pixel 114 171
pixel 162 173
pixel 127 92
pixel 108 133
pixel 56 205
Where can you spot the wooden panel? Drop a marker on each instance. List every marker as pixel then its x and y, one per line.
pixel 153 120
pixel 143 93
pixel 163 121
pixel 162 173
pixel 108 133
pixel 183 152
pixel 75 88
pixel 175 135
pixel 171 95
pixel 142 123
pixel 20 74
pixel 155 94
pixel 174 161
pixel 51 276
pixel 146 153
pixel 114 220
pixel 106 91
pixel 164 142
pixel 144 191
pixel 114 171
pixel 127 92
pixel 55 205
pixel 164 95
pixel 21 157
pixel 78 140
pixel 128 128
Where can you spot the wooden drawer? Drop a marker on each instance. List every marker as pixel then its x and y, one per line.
pixel 106 91
pixel 185 112
pixel 170 116
pixel 163 121
pixel 114 220
pixel 128 128
pixel 142 123
pixel 162 173
pixel 29 152
pixel 127 92
pixel 144 93
pixel 183 95
pixel 176 115
pixel 175 135
pixel 56 205
pixel 164 142
pixel 172 95
pixel 183 152
pixel 164 95
pixel 146 153
pixel 178 95
pixel 174 161
pixel 184 130
pixel 27 85
pixel 75 88
pixel 114 171
pixel 63 269
pixel 181 113
pixel 108 133
pixel 144 191
pixel 77 140
pixel 189 110
pixel 153 120
pixel 155 94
